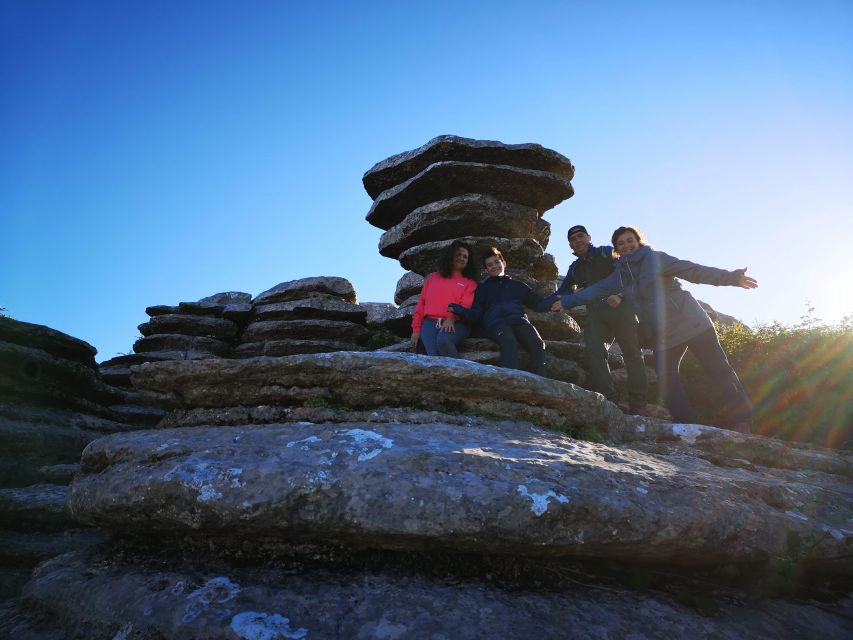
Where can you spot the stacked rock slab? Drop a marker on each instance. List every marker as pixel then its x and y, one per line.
pixel 52 404
pixel 258 514
pixel 309 315
pixel 483 192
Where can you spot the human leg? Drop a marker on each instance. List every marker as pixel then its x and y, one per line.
pixel 429 334
pixel 595 334
pixel 505 337
pixel 667 363
pixel 625 328
pixel 737 407
pixel 529 337
pixel 447 342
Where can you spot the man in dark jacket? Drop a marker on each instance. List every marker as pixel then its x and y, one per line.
pixel 499 306
pixel 607 318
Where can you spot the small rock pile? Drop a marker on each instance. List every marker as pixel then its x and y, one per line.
pixel 310 315
pixel 52 404
pixel 488 194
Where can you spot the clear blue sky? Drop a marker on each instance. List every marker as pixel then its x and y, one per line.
pixel 156 152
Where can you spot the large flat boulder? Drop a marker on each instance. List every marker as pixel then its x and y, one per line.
pixel 103 596
pixel 472 214
pixel 34 375
pixel 407 286
pixel 402 166
pixel 293 346
pixel 190 325
pixel 314 306
pixel 39 507
pixel 502 488
pixel 56 343
pixel 520 253
pixel 182 346
pixel 296 289
pixel 373 379
pixel 443 180
pixel 265 330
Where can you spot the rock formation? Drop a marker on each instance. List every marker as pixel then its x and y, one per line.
pixel 52 404
pixel 485 193
pixel 328 495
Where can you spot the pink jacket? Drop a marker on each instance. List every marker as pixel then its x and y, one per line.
pixel 438 292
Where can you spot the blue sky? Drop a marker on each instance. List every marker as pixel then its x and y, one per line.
pixel 156 152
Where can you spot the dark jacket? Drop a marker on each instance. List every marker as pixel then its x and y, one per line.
pixel 668 315
pixel 500 300
pixel 597 264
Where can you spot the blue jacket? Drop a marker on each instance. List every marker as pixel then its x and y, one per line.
pixel 668 315
pixel 500 300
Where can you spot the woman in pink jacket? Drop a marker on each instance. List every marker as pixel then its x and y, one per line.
pixel 454 283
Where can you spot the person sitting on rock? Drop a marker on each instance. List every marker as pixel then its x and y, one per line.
pixel 607 319
pixel 671 321
pixel 437 329
pixel 499 305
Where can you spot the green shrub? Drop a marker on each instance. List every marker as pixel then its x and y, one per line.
pixel 800 379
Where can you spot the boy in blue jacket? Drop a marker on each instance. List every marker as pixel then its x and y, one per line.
pixel 499 306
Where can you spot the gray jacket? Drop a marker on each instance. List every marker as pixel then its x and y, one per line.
pixel 668 315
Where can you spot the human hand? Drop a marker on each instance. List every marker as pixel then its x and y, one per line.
pixel 557 306
pixel 448 325
pixel 745 282
pixel 614 301
pixel 416 335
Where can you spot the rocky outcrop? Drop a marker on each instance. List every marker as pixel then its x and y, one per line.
pixel 485 193
pixel 309 315
pixel 373 380
pixel 53 403
pixel 280 488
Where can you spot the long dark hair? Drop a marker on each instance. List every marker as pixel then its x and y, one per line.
pixel 445 262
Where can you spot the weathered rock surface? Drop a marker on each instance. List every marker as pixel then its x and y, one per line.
pixel 472 214
pixel 37 507
pixel 174 342
pixel 373 379
pixel 443 180
pixel 521 253
pixel 56 343
pixel 266 330
pixel 119 599
pixel 291 347
pixel 313 306
pixel 409 285
pixel 402 166
pixel 190 325
pixel 555 326
pixel 37 376
pixel 295 289
pixel 508 488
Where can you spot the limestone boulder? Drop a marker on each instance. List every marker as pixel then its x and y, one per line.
pixel 402 166
pixel 112 594
pixel 520 253
pixel 296 289
pixel 555 326
pixel 373 379
pixel 506 488
pixel 472 214
pixel 290 347
pixel 409 285
pixel 266 330
pixel 442 180
pixel 34 375
pixel 38 507
pixel 313 306
pixel 190 325
pixel 182 344
pixel 53 342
